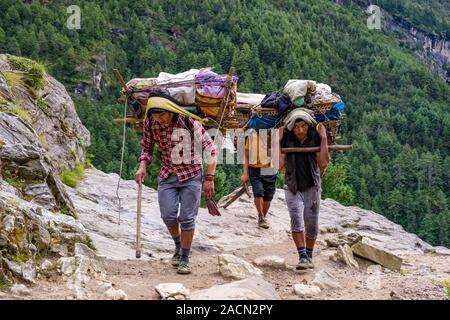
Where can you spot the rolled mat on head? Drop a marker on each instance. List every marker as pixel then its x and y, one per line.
pixel 299 114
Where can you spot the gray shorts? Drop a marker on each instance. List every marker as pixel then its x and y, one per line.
pixel 304 210
pixel 186 195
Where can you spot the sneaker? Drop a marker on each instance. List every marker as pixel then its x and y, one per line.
pixel 176 258
pixel 262 223
pixel 310 263
pixel 183 268
pixel 303 264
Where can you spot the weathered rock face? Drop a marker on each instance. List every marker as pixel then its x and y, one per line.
pixel 306 290
pixel 172 290
pixel 53 117
pixel 249 289
pixel 368 251
pixel 80 268
pixel 432 49
pixel 28 231
pixel 234 267
pixel 273 262
pixel 325 281
pixel 97 70
pixel 25 166
pixel 40 135
pixel 345 254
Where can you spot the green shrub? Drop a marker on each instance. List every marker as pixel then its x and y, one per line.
pixel 73 178
pixel 34 71
pixel 14 80
pixel 88 163
pixel 447 287
pixel 19 111
pixel 41 103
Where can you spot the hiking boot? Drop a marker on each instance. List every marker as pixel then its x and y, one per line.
pixel 310 263
pixel 303 264
pixel 176 258
pixel 183 268
pixel 262 223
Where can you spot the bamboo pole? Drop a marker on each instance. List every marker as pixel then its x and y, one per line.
pixel 334 147
pixel 120 79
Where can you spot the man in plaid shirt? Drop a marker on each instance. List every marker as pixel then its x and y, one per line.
pixel 180 177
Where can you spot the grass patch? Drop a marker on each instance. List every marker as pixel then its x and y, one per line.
pixel 17 237
pixel 34 72
pixel 42 139
pixel 64 126
pixel 5 283
pixel 41 103
pixel 73 178
pixel 88 163
pixel 19 111
pixel 19 258
pixel 447 287
pixel 15 80
pixel 13 203
pixel 13 180
pixel 3 100
pixel 2 143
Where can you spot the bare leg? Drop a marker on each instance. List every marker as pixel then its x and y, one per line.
pixel 174 230
pixel 259 206
pixel 299 239
pixel 310 243
pixel 186 239
pixel 266 206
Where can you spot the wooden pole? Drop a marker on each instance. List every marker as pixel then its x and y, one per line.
pixel 334 147
pixel 234 198
pixel 127 120
pixel 138 222
pixel 224 103
pixel 120 79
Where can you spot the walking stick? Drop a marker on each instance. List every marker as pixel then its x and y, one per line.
pixel 138 222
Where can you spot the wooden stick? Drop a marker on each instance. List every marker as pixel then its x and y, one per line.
pixel 223 104
pixel 333 147
pixel 127 120
pixel 234 198
pixel 138 222
pixel 120 79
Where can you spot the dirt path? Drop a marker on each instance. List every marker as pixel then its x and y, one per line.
pixel 421 276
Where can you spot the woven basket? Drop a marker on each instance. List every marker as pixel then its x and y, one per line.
pixel 333 129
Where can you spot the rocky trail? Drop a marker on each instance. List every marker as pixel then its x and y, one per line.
pixel 226 252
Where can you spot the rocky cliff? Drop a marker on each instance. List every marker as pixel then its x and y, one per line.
pixel 40 136
pixel 431 48
pixel 47 109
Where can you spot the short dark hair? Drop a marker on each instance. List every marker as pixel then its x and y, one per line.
pixel 156 110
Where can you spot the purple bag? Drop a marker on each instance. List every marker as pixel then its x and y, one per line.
pixel 210 84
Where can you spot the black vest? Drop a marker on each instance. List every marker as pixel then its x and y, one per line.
pixel 302 170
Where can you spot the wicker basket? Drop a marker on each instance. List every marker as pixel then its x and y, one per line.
pixel 333 130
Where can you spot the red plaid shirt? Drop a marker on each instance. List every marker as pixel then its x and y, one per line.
pixel 170 142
